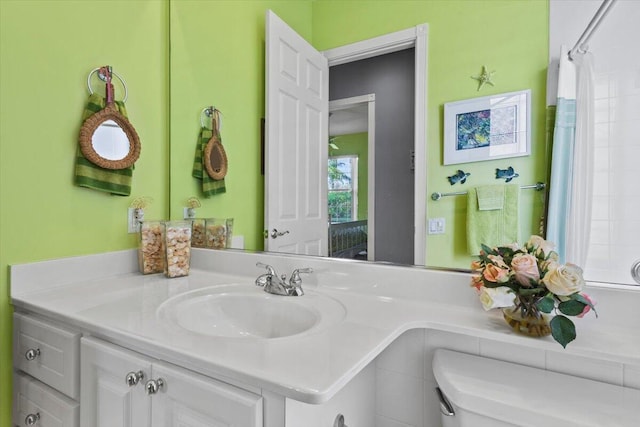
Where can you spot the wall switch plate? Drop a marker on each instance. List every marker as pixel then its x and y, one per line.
pixel 436 225
pixel 133 223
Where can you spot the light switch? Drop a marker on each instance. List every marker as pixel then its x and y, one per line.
pixel 436 225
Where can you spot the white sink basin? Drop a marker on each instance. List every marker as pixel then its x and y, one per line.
pixel 246 311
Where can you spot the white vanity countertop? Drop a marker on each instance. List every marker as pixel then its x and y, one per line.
pixel 104 295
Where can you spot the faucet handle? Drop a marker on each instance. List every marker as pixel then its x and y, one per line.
pixel 295 279
pixel 270 269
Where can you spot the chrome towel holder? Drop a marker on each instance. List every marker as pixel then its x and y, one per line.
pixel 538 186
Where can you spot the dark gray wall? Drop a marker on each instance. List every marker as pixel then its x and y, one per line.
pixel 391 78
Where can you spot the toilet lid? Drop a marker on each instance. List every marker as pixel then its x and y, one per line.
pixel 527 396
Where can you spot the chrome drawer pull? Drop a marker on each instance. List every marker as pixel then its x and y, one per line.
pixel 32 419
pixel 133 378
pixel 32 354
pixel 153 386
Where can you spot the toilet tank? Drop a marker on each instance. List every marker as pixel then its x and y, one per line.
pixel 490 393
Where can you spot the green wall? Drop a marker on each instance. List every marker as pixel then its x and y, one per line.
pixel 508 36
pixel 216 57
pixel 356 144
pixel 47 48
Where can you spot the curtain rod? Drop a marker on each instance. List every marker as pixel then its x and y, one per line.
pixel 581 45
pixel 538 186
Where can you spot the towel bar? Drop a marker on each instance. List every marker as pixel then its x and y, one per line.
pixel 538 186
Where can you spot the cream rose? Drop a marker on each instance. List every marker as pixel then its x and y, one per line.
pixel 526 268
pixel 501 296
pixel 564 280
pixel 540 245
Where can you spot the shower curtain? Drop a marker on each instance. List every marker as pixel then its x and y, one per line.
pixel 571 182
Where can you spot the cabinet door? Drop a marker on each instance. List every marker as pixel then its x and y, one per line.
pixel 106 400
pixel 187 399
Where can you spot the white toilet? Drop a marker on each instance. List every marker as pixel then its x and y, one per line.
pixel 480 392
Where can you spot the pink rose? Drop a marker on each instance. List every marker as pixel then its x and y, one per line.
pixel 496 274
pixel 587 308
pixel 526 269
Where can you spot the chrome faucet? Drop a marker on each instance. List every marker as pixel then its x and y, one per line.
pixel 274 284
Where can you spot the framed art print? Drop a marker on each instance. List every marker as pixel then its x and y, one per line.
pixel 487 128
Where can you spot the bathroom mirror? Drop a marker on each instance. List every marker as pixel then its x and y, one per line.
pixel 215 158
pixel 108 139
pixel 455 55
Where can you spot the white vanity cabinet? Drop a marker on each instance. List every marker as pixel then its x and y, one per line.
pixel 49 354
pixel 122 388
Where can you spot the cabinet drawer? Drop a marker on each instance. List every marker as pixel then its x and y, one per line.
pixel 48 353
pixel 45 406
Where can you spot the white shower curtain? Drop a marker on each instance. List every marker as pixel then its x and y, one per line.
pixel 579 221
pixel 571 183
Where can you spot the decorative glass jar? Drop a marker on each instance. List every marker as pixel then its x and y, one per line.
pixel 151 254
pixel 219 232
pixel 178 248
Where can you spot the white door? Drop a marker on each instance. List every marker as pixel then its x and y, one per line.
pixel 297 105
pixel 106 400
pixel 190 400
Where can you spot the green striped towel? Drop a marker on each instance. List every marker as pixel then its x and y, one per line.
pixel 210 186
pixel 114 181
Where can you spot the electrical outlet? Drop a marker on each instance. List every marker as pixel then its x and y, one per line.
pixel 436 225
pixel 188 213
pixel 133 221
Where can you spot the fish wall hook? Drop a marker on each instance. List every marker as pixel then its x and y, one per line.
pixel 506 174
pixel 460 176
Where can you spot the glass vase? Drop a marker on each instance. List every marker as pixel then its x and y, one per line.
pixel 533 324
pixel 177 248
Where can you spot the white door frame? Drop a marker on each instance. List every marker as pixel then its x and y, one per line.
pixel 370 100
pixel 416 37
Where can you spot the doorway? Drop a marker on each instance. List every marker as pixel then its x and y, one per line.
pixel 351 178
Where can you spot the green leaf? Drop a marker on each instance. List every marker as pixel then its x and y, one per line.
pixel 571 307
pixel 579 297
pixel 487 250
pixel 546 305
pixel 563 330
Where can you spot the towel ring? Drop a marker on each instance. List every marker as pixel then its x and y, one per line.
pixel 104 79
pixel 208 111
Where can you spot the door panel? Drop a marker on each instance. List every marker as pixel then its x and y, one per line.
pixel 296 142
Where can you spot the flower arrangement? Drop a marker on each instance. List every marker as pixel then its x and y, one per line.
pixel 531 279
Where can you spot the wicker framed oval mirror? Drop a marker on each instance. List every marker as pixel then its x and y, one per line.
pixel 108 139
pixel 214 156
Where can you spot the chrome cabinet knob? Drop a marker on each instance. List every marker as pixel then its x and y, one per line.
pixel 275 233
pixel 32 419
pixel 32 354
pixel 133 378
pixel 153 386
